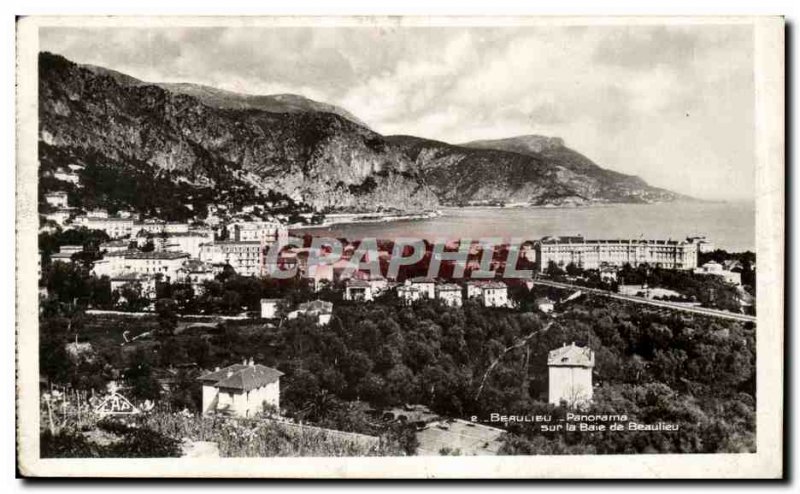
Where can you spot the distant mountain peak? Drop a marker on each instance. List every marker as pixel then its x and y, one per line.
pixel 222 98
pixel 273 103
pixel 214 144
pixel 531 142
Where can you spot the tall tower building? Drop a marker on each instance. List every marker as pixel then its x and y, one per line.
pixel 570 375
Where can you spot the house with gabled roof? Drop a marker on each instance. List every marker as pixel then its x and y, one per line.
pixel 241 390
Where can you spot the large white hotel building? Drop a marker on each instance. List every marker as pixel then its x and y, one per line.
pixel 592 254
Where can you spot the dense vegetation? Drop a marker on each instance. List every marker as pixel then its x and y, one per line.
pixel 651 365
pixel 137 186
pixel 707 290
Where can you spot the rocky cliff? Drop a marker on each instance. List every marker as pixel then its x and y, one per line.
pixel 219 146
pixel 317 158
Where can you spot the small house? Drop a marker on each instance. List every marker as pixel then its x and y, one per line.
pixel 495 294
pixel 57 199
pixel 545 305
pixel 408 294
pixel 358 290
pixel 608 274
pixel 426 286
pixel 449 294
pixel 241 390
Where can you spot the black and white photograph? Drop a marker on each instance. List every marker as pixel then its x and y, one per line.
pixel 471 244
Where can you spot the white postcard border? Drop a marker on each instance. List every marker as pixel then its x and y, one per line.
pixel 769 180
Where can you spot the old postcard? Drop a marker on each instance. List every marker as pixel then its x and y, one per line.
pixel 407 247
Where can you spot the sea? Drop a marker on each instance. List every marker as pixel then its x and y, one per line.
pixel 729 225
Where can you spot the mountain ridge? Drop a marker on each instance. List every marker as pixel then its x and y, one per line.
pixel 317 158
pixel 224 99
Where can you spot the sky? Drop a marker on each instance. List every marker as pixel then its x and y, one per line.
pixel 672 104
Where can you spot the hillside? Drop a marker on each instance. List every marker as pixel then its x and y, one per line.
pixel 107 123
pixel 172 149
pixel 219 98
pixel 552 149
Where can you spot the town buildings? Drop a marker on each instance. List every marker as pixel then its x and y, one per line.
pixel 241 390
pixel 474 289
pixel 118 262
pixel 608 274
pixel 426 287
pixel 68 174
pixel 358 290
pixel 70 249
pixel 114 227
pixel 269 308
pixel 189 241
pixel 157 227
pixel 257 231
pixel 703 244
pixel 321 275
pixel 65 253
pixel 450 294
pixel 408 294
pixel 167 264
pixel 59 216
pixel 592 254
pixel 717 269
pixel 545 305
pixel 57 199
pixel 490 293
pixel 65 257
pixel 145 283
pixel 246 258
pixel 195 273
pixel 570 375
pixel 320 309
pixel 495 294
pixel 115 246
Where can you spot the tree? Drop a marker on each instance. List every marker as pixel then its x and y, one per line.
pixel 139 377
pixel 573 269
pixel 166 308
pixel 130 296
pixel 553 270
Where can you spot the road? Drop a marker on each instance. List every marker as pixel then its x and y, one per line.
pixel 657 303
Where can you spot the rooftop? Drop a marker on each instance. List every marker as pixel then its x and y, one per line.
pixel 121 253
pixel 355 283
pixel 237 242
pixel 242 377
pixel 581 240
pixel 196 266
pixel 318 306
pixel 131 277
pixel 157 255
pixel 109 219
pixel 571 356
pixel 115 243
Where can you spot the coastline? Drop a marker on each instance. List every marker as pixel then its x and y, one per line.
pixel 359 218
